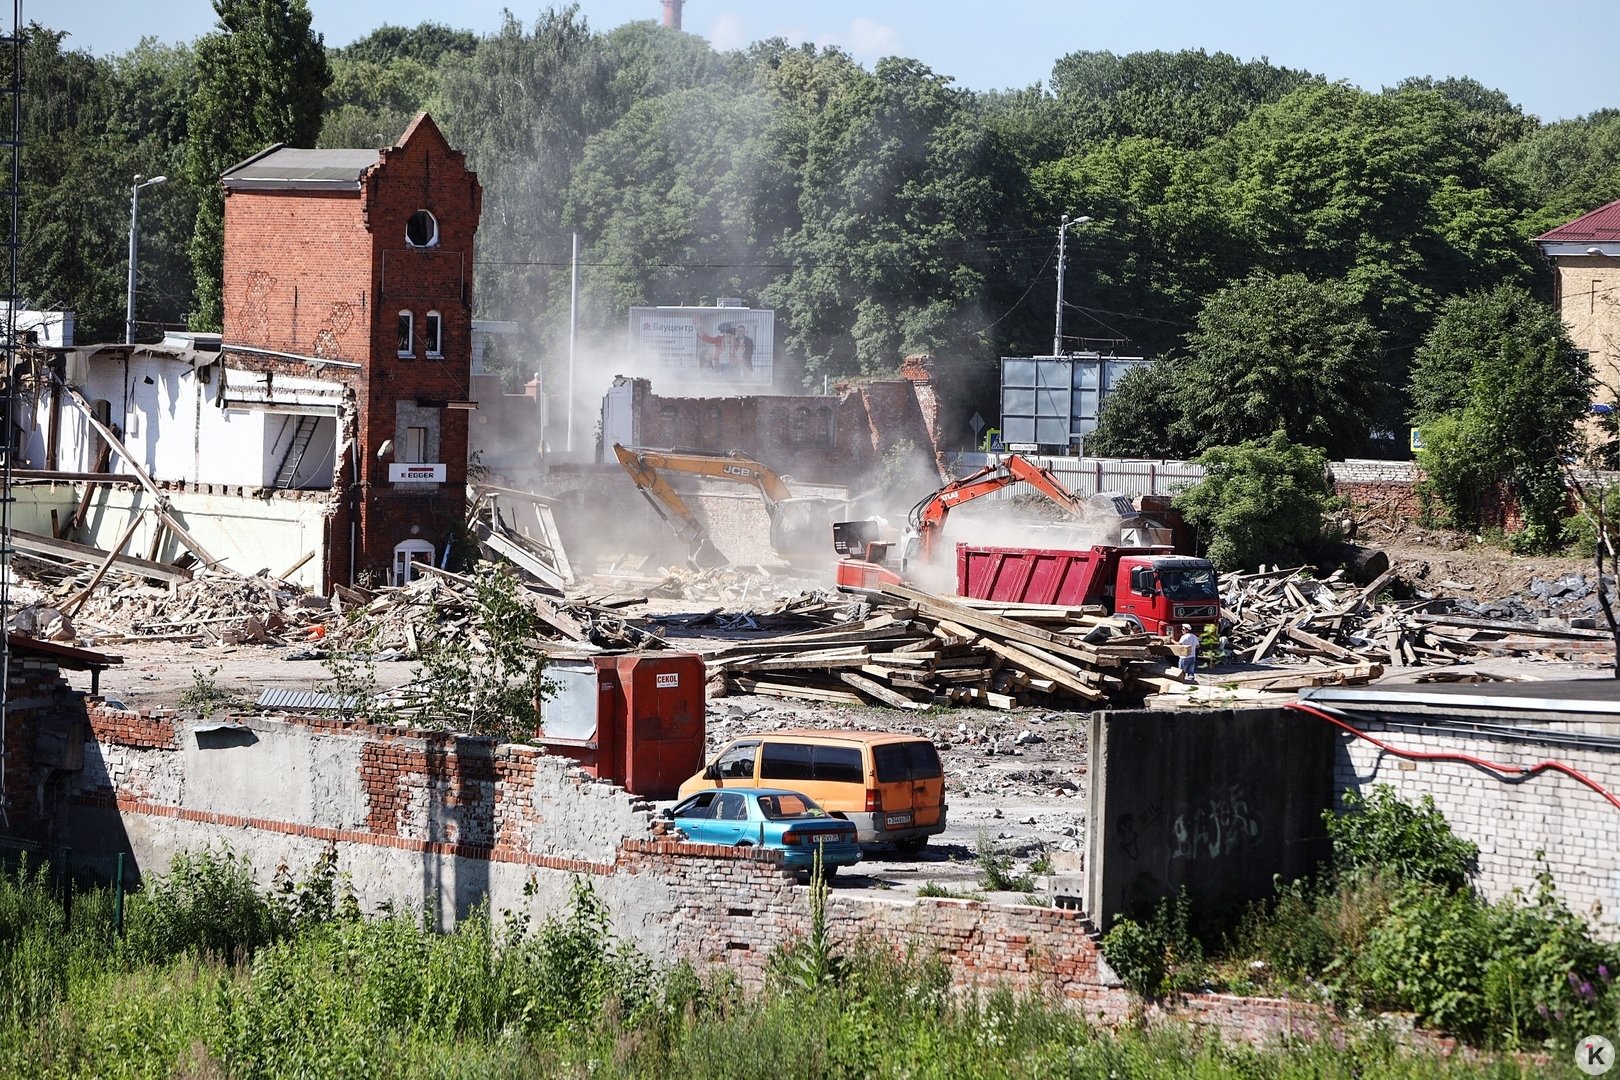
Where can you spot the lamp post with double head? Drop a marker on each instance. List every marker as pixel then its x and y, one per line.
pixel 1063 230
pixel 134 216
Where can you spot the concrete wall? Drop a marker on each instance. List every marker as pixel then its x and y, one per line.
pixel 1218 802
pixel 1549 821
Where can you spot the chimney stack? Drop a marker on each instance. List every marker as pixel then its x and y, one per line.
pixel 672 14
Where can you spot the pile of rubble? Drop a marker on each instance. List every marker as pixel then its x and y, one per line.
pixel 1285 614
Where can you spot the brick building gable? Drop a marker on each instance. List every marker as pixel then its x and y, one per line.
pixel 358 264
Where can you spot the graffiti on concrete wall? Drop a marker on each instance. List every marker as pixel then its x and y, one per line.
pixel 1218 828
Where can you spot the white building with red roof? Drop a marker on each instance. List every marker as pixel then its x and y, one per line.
pixel 1585 255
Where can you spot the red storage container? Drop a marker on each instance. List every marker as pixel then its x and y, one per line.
pixel 636 719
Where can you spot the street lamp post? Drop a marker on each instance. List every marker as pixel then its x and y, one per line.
pixel 134 214
pixel 1057 333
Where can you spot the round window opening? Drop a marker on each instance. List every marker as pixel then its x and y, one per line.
pixel 422 230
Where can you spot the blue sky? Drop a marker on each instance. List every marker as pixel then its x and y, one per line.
pixel 1528 51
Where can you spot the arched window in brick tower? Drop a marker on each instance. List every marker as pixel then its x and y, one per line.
pixel 422 230
pixel 433 334
pixel 407 334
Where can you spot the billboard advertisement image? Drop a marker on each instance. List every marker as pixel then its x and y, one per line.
pixel 704 344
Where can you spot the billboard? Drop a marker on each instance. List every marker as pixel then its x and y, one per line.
pixel 704 344
pixel 1053 401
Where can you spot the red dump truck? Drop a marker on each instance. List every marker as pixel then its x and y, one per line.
pixel 1149 586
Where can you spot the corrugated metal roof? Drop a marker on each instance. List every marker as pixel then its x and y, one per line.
pixel 1602 224
pixel 272 697
pixel 290 167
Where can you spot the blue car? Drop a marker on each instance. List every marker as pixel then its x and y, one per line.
pixel 773 818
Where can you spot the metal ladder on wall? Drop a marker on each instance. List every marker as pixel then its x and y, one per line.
pixel 294 457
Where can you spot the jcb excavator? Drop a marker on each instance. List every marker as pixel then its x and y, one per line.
pixel 799 524
pixel 867 564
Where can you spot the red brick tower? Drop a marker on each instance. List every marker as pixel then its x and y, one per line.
pixel 355 266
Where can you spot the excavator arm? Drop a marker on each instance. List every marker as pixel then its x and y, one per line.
pixel 642 465
pixel 928 516
pixel 647 466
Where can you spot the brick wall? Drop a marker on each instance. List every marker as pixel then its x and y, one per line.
pixel 447 822
pixel 806 436
pixel 1521 826
pixel 35 695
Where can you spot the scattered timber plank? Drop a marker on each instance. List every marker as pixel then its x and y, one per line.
pixel 882 693
pixel 792 691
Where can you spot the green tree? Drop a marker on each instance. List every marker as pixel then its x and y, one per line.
pixel 1493 120
pixel 901 190
pixel 522 108
pixel 1387 193
pixel 371 104
pixel 1159 241
pixel 493 687
pixel 1185 98
pixel 1139 416
pixel 261 77
pixel 426 43
pixel 1565 169
pixel 1497 388
pixel 1260 502
pixel 1281 353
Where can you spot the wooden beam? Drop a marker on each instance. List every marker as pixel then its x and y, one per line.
pixel 84 553
pixel 882 693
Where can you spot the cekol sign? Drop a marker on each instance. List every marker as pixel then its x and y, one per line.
pixel 416 473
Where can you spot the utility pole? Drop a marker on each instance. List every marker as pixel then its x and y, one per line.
pixel 573 335
pixel 134 219
pixel 1057 332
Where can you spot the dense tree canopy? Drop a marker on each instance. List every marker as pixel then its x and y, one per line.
pixel 1498 388
pixel 260 80
pixel 1286 243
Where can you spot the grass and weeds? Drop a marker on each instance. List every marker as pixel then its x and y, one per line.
pixel 216 978
pixel 1394 926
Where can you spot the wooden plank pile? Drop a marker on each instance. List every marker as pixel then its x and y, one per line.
pixel 1283 614
pixel 924 650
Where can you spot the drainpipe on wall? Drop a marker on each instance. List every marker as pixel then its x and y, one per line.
pixel 354 499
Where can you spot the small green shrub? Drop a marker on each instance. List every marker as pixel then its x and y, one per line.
pixel 207 903
pixel 205 696
pixel 1161 956
pixel 996 872
pixel 934 888
pixel 1411 843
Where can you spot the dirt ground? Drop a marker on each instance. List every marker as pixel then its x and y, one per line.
pixel 1016 781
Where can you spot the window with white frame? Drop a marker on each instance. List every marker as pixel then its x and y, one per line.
pixel 433 334
pixel 407 332
pixel 422 230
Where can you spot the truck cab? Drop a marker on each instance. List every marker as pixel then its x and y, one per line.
pixel 1160 591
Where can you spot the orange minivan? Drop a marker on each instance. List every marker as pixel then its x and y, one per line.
pixel 891 786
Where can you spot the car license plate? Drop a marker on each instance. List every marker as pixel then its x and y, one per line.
pixel 897 820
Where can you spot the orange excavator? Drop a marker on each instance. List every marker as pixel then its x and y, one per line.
pixel 866 562
pixel 799 524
